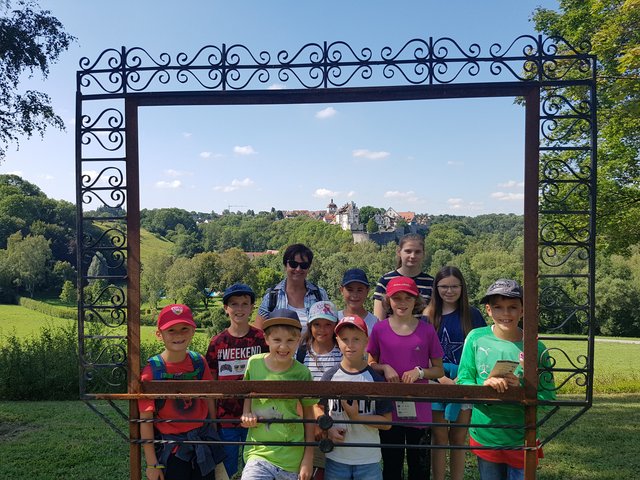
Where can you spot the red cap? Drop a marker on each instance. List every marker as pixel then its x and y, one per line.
pixel 402 284
pixel 354 320
pixel 173 314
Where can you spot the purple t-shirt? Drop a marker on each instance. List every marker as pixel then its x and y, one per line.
pixel 405 352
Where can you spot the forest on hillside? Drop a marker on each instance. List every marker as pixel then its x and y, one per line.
pixel 37 254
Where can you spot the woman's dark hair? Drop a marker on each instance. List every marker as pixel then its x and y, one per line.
pixel 434 309
pixel 297 249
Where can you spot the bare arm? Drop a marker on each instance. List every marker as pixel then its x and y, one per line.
pixel 387 371
pixel 378 309
pixel 146 433
pixel 306 466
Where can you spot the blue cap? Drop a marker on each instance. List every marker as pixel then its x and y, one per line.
pixel 238 289
pixel 355 275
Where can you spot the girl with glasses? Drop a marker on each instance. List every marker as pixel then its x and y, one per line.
pixel 453 319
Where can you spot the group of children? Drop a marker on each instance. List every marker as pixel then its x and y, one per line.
pixel 445 341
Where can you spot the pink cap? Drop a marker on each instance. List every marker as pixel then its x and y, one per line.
pixel 354 320
pixel 173 314
pixel 402 284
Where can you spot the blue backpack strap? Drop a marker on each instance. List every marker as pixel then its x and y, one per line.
pixel 301 353
pixel 198 363
pixel 158 367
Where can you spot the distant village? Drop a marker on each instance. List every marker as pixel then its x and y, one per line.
pixel 390 225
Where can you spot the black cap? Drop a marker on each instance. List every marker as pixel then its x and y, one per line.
pixel 355 275
pixel 238 289
pixel 282 316
pixel 504 287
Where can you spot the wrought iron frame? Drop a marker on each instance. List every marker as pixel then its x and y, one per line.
pixel 554 80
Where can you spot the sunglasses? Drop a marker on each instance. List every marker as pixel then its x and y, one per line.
pixel 303 265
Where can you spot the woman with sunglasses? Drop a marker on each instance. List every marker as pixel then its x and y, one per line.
pixel 295 292
pixel 453 319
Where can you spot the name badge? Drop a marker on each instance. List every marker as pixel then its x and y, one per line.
pixel 406 409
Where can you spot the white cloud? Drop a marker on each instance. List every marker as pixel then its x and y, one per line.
pixel 507 196
pixel 409 196
pixel 187 134
pixel 351 194
pixel 171 185
pixel 244 150
pixel 459 204
pixel 19 173
pixel 176 173
pixel 326 113
pixel 324 192
pixel 205 154
pixel 277 86
pixel 511 184
pixel 46 176
pixel 235 185
pixel 369 155
pixel 455 163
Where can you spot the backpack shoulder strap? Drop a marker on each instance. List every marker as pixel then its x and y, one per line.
pixel 198 363
pixel 301 353
pixel 158 367
pixel 273 298
pixel 317 293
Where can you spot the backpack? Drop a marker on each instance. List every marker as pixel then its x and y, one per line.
pixel 273 297
pixel 159 371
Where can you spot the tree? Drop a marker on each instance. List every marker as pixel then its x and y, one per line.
pixel 68 294
pixel 30 39
pixel 372 226
pixel 29 258
pixel 235 266
pixel 206 273
pixel 152 278
pixel 611 26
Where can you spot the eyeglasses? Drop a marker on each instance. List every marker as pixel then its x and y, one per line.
pixel 303 265
pixel 446 288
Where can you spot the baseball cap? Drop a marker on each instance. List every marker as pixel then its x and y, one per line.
pixel 354 320
pixel 402 284
pixel 504 287
pixel 355 275
pixel 282 316
pixel 323 309
pixel 173 314
pixel 238 289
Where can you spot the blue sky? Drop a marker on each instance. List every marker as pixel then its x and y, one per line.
pixel 461 157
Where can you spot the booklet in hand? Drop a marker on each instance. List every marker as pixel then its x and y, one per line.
pixel 503 367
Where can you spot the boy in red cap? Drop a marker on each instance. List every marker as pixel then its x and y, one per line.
pixel 173 460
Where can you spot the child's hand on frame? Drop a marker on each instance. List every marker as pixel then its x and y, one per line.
pixel 350 407
pixel 336 434
pixel 248 420
pixel 410 376
pixel 390 374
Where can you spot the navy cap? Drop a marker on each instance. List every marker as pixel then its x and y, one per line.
pixel 504 287
pixel 355 275
pixel 238 289
pixel 282 316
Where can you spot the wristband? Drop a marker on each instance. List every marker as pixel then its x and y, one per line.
pixel 159 466
pixel 420 372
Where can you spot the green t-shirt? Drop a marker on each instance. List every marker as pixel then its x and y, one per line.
pixel 481 351
pixel 283 456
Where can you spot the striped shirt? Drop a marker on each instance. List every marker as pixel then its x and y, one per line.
pixel 424 281
pixel 320 363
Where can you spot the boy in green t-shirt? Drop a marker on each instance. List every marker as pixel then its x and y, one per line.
pixel 282 333
pixel 483 348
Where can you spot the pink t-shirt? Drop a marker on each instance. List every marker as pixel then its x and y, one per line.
pixel 405 352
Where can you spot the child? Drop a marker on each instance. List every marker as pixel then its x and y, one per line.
pixel 227 358
pixel 406 349
pixel 319 350
pixel 482 348
pixel 357 463
pixel 355 290
pixel 409 258
pixel 453 319
pixel 282 334
pixel 178 461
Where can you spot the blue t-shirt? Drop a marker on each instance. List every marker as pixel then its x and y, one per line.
pixel 451 334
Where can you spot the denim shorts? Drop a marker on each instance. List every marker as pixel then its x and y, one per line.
pixel 256 469
pixel 341 471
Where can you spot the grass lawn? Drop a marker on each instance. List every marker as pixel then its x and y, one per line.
pixel 53 440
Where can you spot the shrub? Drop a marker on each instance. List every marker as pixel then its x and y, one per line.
pixel 51 310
